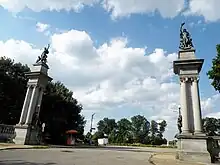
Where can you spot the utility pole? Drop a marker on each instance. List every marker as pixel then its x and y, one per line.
pixel 91 122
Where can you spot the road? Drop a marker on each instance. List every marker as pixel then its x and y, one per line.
pixel 74 156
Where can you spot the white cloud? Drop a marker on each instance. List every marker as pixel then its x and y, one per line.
pixel 123 8
pixel 40 5
pixel 167 8
pixel 41 27
pixel 210 104
pixel 209 9
pixel 118 8
pixel 107 78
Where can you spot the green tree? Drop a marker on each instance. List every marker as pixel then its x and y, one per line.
pixel 211 126
pixel 140 129
pixel 106 125
pixel 162 127
pixel 214 72
pixel 12 90
pixel 124 131
pixel 60 112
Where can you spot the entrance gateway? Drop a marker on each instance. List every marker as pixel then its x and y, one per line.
pixel 192 142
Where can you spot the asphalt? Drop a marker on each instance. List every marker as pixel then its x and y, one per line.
pixel 68 156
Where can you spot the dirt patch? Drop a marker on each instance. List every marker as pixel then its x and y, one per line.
pixel 168 158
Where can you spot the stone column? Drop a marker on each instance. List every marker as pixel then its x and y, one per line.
pixel 25 106
pixel 41 92
pixel 196 106
pixel 31 105
pixel 183 103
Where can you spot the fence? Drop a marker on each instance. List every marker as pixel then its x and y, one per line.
pixel 7 133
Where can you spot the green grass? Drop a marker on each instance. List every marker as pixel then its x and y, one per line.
pixel 40 147
pixel 141 145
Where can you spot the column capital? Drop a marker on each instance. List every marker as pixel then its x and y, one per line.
pixel 184 79
pixel 33 85
pixel 195 79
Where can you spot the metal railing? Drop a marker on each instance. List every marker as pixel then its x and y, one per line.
pixel 7 133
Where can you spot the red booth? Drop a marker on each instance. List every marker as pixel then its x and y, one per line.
pixel 71 137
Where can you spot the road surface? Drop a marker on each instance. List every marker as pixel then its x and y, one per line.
pixel 74 156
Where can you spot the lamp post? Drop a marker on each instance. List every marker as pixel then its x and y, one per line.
pixel 91 122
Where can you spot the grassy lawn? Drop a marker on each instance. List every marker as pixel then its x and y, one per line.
pixel 142 145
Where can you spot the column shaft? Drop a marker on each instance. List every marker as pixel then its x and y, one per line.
pixel 183 102
pixel 40 99
pixel 31 106
pixel 196 107
pixel 25 106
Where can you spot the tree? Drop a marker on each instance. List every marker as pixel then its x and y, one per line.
pixel 162 126
pixel 60 112
pixel 211 126
pixel 12 90
pixel 124 131
pixel 140 128
pixel 214 72
pixel 106 125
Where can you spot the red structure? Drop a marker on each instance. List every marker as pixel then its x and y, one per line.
pixel 71 137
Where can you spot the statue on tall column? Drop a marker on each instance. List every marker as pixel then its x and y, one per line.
pixel 179 122
pixel 185 39
pixel 43 57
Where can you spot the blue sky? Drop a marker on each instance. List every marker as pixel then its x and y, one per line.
pixel 138 26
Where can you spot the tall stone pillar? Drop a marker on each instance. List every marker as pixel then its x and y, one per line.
pixel 196 107
pixel 27 129
pixel 183 103
pixel 192 143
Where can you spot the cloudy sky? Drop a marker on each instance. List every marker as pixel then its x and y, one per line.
pixel 115 55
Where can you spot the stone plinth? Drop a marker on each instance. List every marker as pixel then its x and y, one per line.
pixel 27 129
pixel 193 148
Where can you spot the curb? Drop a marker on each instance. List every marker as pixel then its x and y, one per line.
pixel 19 148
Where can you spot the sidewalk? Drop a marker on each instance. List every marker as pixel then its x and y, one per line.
pixel 5 146
pixel 169 159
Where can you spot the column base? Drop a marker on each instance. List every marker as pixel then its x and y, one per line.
pixel 26 135
pixel 193 148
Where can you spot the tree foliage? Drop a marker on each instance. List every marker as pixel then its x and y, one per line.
pixel 59 110
pixel 214 72
pixel 211 126
pixel 136 130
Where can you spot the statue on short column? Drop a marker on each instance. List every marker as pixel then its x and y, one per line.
pixel 185 39
pixel 43 57
pixel 179 122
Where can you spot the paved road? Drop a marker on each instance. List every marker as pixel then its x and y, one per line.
pixel 61 156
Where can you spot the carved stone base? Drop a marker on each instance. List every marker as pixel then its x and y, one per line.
pixel 26 135
pixel 193 148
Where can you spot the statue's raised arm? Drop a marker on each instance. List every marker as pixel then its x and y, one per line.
pixel 181 27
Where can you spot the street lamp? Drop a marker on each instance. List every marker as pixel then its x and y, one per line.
pixel 91 128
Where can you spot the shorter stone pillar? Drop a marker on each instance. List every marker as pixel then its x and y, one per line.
pixel 26 130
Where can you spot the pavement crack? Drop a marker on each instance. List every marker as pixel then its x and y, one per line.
pixel 150 159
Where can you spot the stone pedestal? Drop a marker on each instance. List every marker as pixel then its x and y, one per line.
pixel 192 142
pixel 27 131
pixel 193 148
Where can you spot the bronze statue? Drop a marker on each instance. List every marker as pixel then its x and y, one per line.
pixel 43 57
pixel 179 122
pixel 185 39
